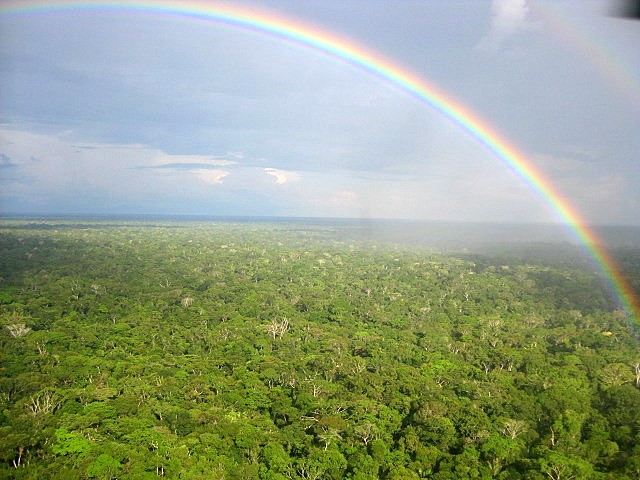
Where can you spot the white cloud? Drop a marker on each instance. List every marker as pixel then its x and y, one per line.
pixel 237 155
pixel 68 172
pixel 507 18
pixel 163 158
pixel 282 176
pixel 73 177
pixel 508 15
pixel 212 177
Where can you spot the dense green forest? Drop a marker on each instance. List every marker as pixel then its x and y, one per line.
pixel 282 351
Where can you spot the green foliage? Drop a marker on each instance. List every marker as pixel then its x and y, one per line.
pixel 69 443
pixel 105 466
pixel 271 351
pixel 6 298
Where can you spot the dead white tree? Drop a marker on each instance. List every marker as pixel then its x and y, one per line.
pixel 277 328
pixel 316 390
pixel 41 347
pixel 366 432
pixel 513 428
pixel 329 435
pixel 358 366
pixel 17 462
pixel 557 472
pixel 17 329
pixel 45 402
pixel 187 302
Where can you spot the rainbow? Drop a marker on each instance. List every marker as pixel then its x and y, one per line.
pixel 295 31
pixel 580 41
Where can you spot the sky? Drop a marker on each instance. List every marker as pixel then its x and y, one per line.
pixel 133 112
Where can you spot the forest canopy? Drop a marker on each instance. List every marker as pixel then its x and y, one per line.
pixel 286 351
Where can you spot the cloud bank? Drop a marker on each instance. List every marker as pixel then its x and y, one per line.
pixel 507 18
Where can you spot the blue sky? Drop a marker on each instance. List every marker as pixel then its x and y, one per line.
pixel 133 112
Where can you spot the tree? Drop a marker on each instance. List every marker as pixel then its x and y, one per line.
pixel 558 466
pixel 499 451
pixel 277 328
pixel 616 374
pixel 17 329
pixel 70 443
pixel 103 467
